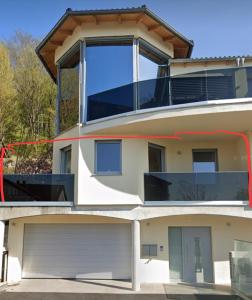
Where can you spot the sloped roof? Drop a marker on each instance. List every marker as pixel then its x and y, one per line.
pixel 73 18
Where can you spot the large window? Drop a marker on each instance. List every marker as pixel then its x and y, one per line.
pixel 153 86
pixel 69 89
pixel 108 157
pixel 109 76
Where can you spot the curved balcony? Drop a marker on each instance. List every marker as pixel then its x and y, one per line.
pixel 218 84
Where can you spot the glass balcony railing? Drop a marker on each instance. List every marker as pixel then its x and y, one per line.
pixel 188 88
pixel 39 188
pixel 241 268
pixel 218 186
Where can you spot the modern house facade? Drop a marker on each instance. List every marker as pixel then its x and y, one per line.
pixel 149 182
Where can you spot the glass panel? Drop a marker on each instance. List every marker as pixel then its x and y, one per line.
pixel 66 160
pixel 46 187
pixel 153 88
pixel 196 186
pixel 204 161
pixel 69 90
pixel 156 158
pixel 197 253
pixel 188 88
pixel 175 253
pixel 151 64
pixel 241 267
pixel 108 157
pixel 153 93
pixel 109 74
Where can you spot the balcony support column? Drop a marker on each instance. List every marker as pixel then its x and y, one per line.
pixel 135 228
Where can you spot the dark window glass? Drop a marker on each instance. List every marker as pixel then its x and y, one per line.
pixel 156 158
pixel 153 86
pixel 204 161
pixel 108 157
pixel 109 77
pixel 66 154
pixel 69 90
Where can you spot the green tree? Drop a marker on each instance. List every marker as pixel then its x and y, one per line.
pixel 7 97
pixel 35 104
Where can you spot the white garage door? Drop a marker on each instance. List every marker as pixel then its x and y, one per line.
pixel 93 251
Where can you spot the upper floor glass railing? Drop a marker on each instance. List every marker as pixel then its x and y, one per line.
pixel 39 188
pixel 188 88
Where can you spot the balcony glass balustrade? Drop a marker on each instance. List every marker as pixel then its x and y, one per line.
pixel 216 186
pixel 208 85
pixel 39 188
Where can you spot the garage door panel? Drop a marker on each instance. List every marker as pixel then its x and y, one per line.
pixel 95 251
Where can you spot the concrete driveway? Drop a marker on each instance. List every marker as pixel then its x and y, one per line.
pixel 64 289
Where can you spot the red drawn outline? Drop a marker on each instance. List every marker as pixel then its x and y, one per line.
pixel 176 136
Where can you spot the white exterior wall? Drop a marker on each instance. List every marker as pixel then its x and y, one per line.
pixel 224 230
pixel 128 188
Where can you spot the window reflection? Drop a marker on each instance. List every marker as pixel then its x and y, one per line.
pixel 69 90
pixel 153 86
pixel 109 77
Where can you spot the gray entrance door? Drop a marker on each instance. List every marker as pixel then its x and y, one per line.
pixel 193 262
pixel 197 256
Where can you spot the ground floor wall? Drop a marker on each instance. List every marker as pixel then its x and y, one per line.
pixel 224 230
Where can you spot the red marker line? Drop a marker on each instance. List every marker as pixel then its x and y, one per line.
pixel 177 136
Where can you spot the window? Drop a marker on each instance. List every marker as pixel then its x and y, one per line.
pixel 152 64
pixel 108 157
pixel 153 86
pixel 109 77
pixel 156 158
pixel 204 161
pixel 69 89
pixel 66 154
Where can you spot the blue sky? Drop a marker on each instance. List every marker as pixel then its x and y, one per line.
pixel 218 27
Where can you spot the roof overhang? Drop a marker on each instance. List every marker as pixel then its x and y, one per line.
pixel 71 19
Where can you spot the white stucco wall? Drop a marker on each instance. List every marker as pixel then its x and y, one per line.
pixel 128 188
pixel 224 230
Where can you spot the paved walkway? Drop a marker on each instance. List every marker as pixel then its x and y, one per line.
pixel 109 290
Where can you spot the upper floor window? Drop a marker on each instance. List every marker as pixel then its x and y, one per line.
pixel 109 74
pixel 153 86
pixel 152 64
pixel 66 154
pixel 108 157
pixel 69 89
pixel 205 161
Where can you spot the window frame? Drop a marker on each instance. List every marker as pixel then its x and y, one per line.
pixel 163 155
pixel 82 43
pixel 215 150
pixel 65 56
pixel 63 159
pixel 107 173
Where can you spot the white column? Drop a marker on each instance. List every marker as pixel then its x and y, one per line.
pixel 2 225
pixel 135 225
